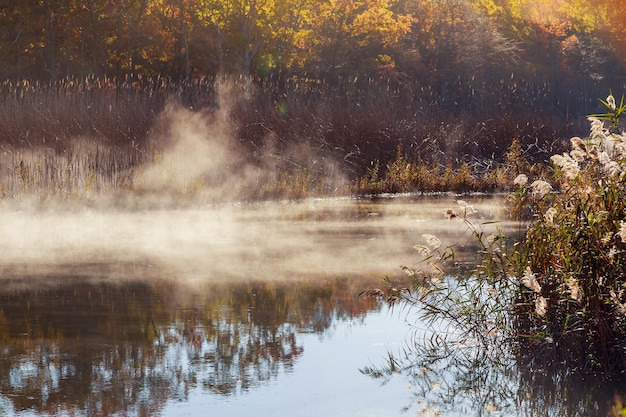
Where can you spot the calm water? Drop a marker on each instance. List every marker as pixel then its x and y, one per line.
pixel 156 348
pixel 231 310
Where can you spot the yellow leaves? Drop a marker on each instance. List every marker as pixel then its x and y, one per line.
pixel 589 16
pixel 490 8
pixel 364 22
pixel 379 23
pixel 516 8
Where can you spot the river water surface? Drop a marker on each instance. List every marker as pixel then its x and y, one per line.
pixel 231 310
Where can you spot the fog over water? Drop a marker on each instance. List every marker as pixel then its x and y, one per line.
pixel 260 240
pixel 180 218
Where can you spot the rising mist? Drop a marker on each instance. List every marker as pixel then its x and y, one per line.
pixel 185 212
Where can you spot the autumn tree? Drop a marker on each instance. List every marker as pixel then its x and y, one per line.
pixel 255 19
pixel 353 34
pixel 606 19
pixel 35 37
pixel 217 15
pixel 423 42
pixel 289 31
pixel 242 29
pixel 15 38
pixel 93 39
pixel 454 38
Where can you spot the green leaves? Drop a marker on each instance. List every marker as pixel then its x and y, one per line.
pixel 614 112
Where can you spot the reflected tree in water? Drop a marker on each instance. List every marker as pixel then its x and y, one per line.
pixel 105 347
pixel 461 357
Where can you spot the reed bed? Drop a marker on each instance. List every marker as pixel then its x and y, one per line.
pixel 311 137
pixel 551 304
pixel 82 171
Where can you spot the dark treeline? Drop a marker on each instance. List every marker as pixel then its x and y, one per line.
pixel 569 45
pixel 448 81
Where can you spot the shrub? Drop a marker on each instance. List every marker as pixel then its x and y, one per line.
pixel 571 263
pixel 564 282
pixel 540 313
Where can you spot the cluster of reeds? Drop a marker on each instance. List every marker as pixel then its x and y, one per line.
pixel 297 185
pixel 560 291
pixel 81 171
pixel 542 311
pixel 571 265
pixel 75 138
pixel 402 176
pixel 358 123
pixel 407 175
pixel 51 115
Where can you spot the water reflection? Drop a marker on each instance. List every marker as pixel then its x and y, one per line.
pixel 456 371
pixel 101 347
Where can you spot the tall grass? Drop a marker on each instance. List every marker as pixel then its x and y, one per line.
pixel 314 136
pixel 82 171
pixel 73 138
pixel 360 122
pixel 572 262
pixel 408 175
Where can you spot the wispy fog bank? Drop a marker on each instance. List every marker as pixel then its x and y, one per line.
pixel 188 156
pixel 182 212
pixel 196 157
pixel 256 241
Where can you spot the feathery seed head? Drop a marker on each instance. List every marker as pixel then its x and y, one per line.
pixel 622 230
pixel 520 181
pixel 432 241
pixel 529 280
pixel 540 188
pixel 610 100
pixel 579 144
pixel 541 306
pixel 422 250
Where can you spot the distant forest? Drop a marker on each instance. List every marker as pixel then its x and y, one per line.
pixel 567 45
pixel 461 78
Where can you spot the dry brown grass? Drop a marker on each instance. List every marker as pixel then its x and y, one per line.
pixel 85 137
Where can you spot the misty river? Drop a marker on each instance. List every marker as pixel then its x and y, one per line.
pixel 228 310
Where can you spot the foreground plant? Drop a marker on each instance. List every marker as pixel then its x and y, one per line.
pixel 558 296
pixel 460 341
pixel 543 312
pixel 571 304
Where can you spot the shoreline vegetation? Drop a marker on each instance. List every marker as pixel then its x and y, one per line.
pixel 551 305
pixel 87 138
